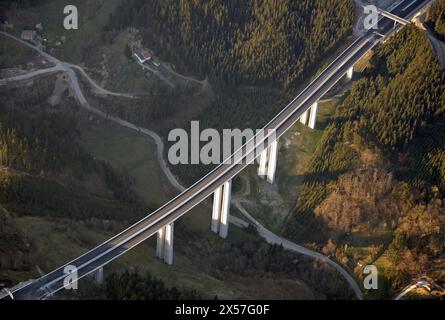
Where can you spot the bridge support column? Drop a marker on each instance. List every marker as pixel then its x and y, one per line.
pixel 164 247
pixel 350 73
pixel 313 115
pixel 221 209
pixel 304 118
pixel 272 165
pixel 99 276
pixel 268 162
pixel 262 169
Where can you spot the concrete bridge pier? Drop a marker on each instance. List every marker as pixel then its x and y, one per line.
pixel 221 209
pixel 268 162
pixel 164 246
pixel 272 165
pixel 313 115
pixel 350 73
pixel 99 276
pixel 304 118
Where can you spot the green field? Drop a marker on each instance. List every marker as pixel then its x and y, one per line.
pixel 13 53
pixel 130 153
pixel 93 16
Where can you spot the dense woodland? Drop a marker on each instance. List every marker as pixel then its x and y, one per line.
pixel 379 166
pixel 252 258
pixel 137 286
pixel 130 285
pixel 436 18
pixel 232 42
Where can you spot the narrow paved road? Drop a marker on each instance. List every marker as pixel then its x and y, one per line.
pixel 158 73
pixel 77 92
pixel 59 66
pixel 263 232
pixel 405 292
pixel 31 74
pixel 97 87
pixel 170 69
pixel 272 238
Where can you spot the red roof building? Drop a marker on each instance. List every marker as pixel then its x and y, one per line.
pixel 28 35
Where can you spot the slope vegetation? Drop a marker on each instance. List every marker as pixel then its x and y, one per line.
pixel 374 189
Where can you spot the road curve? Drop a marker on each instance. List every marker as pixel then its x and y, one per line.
pixel 32 74
pixel 77 92
pixel 272 238
pixel 97 87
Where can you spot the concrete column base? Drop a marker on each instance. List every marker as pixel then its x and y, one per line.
pixel 272 165
pixel 304 118
pixel 99 276
pixel 268 162
pixel 164 246
pixel 313 116
pixel 221 209
pixel 350 73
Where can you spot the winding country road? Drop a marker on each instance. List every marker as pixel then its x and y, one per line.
pixel 97 87
pixel 266 234
pixel 77 92
pixel 32 74
pixel 272 238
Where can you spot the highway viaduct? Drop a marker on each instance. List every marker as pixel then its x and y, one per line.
pixel 218 183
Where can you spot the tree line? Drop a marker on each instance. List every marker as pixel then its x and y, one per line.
pixel 436 18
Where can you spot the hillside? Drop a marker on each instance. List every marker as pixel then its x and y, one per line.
pixel 374 188
pixel 436 18
pixel 259 41
pixel 63 190
pixel 255 54
pixel 45 173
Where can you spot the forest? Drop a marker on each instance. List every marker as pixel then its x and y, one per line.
pixel 436 18
pixel 241 42
pixel 139 286
pixel 379 167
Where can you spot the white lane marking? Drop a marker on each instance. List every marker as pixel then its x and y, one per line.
pixel 413 2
